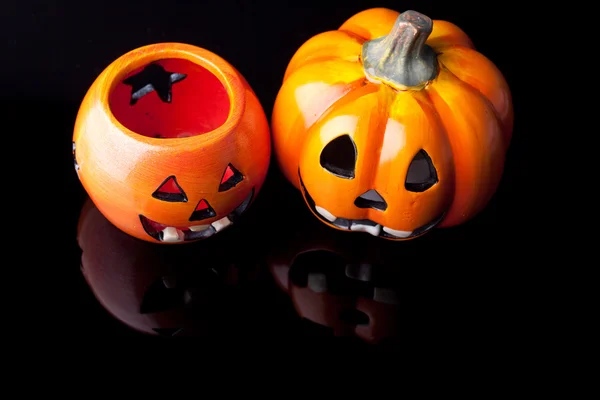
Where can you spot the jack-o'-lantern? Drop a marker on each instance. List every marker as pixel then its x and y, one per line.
pixel 167 290
pixel 393 124
pixel 339 287
pixel 171 143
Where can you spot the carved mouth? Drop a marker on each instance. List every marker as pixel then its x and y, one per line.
pixel 174 234
pixel 364 225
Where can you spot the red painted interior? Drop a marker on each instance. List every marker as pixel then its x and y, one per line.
pixel 199 104
pixel 202 204
pixel 228 174
pixel 169 187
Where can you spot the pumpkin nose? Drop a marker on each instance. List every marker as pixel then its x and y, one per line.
pixel 371 199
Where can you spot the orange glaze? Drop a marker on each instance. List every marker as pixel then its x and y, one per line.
pixel 189 161
pixel 462 118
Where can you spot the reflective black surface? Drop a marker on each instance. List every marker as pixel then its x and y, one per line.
pixel 280 272
pixel 299 279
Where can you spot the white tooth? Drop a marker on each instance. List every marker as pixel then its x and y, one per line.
pixel 361 272
pixel 326 214
pixel 384 295
pixel 221 224
pixel 198 228
pixel 373 230
pixel 172 235
pixel 393 232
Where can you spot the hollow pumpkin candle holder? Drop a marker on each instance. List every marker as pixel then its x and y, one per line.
pixel 171 143
pixel 393 124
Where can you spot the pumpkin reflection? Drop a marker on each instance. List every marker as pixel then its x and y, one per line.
pixel 347 286
pixel 165 290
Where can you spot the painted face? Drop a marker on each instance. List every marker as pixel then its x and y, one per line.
pixel 392 124
pixel 395 184
pixel 204 221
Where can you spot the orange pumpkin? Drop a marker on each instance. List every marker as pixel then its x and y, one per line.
pixel 171 143
pixel 392 124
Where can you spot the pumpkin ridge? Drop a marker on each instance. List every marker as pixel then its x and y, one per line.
pixel 449 211
pixel 349 90
pixel 486 174
pixel 384 101
pixel 371 23
pixel 354 35
pixel 319 60
pixel 330 45
pixel 450 35
pixel 440 124
pixel 485 99
pixel 507 125
pixel 348 96
pixel 304 131
pixel 440 49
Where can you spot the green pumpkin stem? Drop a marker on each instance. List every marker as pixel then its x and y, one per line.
pixel 401 58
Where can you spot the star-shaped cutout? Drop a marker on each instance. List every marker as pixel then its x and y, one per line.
pixel 153 78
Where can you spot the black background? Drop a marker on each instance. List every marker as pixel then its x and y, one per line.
pixel 450 278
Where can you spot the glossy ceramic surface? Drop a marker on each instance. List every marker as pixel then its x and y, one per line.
pixel 171 143
pixel 375 156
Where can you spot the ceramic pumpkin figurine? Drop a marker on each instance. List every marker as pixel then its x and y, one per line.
pixel 171 143
pixel 392 124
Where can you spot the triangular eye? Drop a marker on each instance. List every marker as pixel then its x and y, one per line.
pixel 170 190
pixel 339 157
pixel 231 177
pixel 203 210
pixel 421 173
